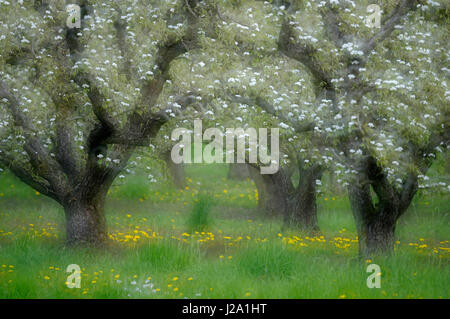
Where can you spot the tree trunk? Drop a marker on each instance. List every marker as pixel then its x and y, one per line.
pixel 375 225
pixel 270 196
pixel 379 237
pixel 304 210
pixel 176 171
pixel 86 221
pixel 279 190
pixel 304 205
pixel 238 171
pixel 376 234
pixel 278 197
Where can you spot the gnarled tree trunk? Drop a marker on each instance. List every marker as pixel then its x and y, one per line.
pixel 376 223
pixel 375 229
pixel 278 197
pixel 84 205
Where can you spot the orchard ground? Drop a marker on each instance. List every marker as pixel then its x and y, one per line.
pixel 154 250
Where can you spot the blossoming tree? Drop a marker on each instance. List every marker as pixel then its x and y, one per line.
pixel 370 98
pixel 77 101
pixel 385 114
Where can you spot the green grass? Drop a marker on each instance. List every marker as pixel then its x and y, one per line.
pixel 161 246
pixel 199 218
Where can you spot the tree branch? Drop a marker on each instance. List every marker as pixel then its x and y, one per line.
pixel 304 53
pixel 269 108
pixel 27 177
pixel 388 25
pixel 44 165
pixel 331 19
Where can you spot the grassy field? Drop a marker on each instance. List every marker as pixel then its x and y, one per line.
pixel 155 251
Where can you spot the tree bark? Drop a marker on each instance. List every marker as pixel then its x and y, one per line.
pixel 277 196
pixel 375 226
pixel 270 196
pixel 84 205
pixel 304 205
pixel 380 236
pixel 176 171
pixel 85 222
pixel 375 223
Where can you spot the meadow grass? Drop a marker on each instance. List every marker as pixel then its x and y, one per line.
pixel 155 250
pixel 199 217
